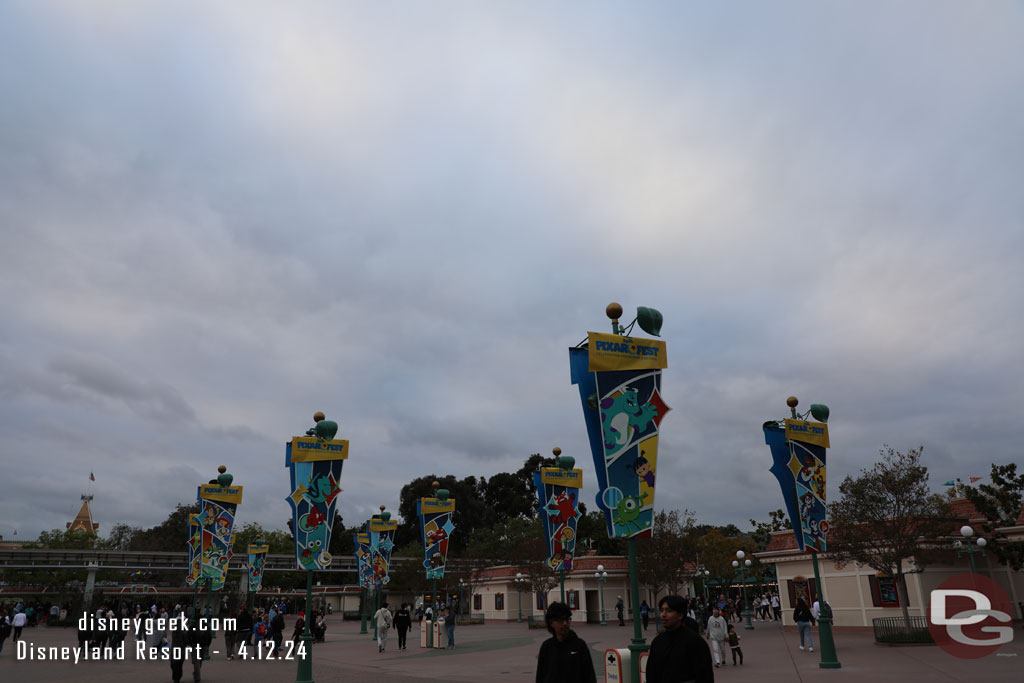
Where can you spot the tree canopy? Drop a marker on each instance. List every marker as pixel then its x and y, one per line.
pixel 1001 502
pixel 887 517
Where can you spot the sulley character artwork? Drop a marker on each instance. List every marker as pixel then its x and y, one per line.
pixel 622 416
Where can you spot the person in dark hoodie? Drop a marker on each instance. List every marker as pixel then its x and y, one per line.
pixel 564 657
pixel 678 653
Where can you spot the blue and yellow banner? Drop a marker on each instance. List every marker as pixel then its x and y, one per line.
pixel 623 410
pixel 216 519
pixel 363 559
pixel 256 561
pixel 436 528
pixel 798 463
pixel 381 535
pixel 315 469
pixel 559 494
pixel 195 544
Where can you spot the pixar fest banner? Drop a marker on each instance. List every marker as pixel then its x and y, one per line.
pixel 216 519
pixel 381 542
pixel 255 563
pixel 315 470
pixel 798 462
pixel 436 528
pixel 619 380
pixel 559 493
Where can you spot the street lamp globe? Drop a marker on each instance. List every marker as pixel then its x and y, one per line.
pixel 707 572
pixel 600 567
pixel 740 554
pixel 982 543
pixel 746 562
pixel 735 564
pixel 519 576
pixel 966 531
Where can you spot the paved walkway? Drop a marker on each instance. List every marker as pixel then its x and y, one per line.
pixel 506 652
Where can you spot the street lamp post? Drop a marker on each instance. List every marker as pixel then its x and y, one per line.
pixel 965 546
pixel 520 580
pixel 741 567
pixel 707 577
pixel 602 576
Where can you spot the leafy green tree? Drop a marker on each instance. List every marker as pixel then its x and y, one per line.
pixel 509 496
pixel 762 534
pixel 887 516
pixel 1000 502
pixel 717 551
pixel 592 532
pixel 471 511
pixel 661 560
pixel 120 537
pixel 171 535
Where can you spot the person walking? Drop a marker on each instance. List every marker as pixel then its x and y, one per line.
pixel 231 635
pixel 776 607
pixel 564 657
pixel 734 645
pixel 244 634
pixel 5 627
pixel 717 633
pixel 383 618
pixel 277 627
pixel 403 622
pixel 803 618
pixel 450 618
pixel 18 623
pixel 678 653
pixel 619 607
pixel 645 613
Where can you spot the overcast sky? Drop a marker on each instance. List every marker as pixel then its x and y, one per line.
pixel 216 219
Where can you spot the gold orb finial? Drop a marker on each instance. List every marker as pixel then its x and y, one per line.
pixel 436 484
pixel 556 451
pixel 613 310
pixel 318 415
pixel 382 508
pixel 792 402
pixel 222 469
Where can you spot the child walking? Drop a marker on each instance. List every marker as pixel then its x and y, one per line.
pixel 734 644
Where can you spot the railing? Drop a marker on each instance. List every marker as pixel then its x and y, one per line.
pixel 472 618
pixel 894 630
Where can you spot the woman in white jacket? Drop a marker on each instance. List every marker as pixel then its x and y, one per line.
pixel 383 619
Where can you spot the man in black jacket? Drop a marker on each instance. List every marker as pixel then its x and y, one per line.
pixel 678 653
pixel 563 658
pixel 244 636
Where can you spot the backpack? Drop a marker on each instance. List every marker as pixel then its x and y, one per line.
pixel 261 629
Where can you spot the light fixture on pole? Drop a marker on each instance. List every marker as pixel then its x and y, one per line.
pixel 602 576
pixel 520 580
pixel 967 547
pixel 742 566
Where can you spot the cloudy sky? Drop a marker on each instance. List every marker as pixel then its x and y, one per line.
pixel 216 219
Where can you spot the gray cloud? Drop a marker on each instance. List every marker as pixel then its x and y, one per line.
pixel 405 217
